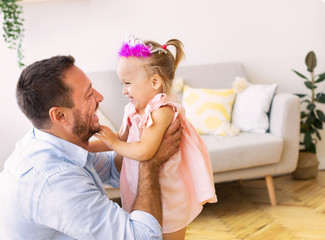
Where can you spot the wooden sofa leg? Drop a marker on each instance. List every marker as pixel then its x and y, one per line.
pixel 270 189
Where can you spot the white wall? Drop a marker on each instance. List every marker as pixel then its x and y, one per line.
pixel 271 37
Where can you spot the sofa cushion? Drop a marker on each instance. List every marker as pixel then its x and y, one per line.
pixel 243 151
pixel 209 110
pixel 215 75
pixel 251 108
pixel 219 75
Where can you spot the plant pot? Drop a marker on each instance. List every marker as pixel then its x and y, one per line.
pixel 307 167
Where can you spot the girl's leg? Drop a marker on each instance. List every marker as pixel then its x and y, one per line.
pixel 178 235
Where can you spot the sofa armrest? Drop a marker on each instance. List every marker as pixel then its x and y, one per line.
pixel 285 123
pixel 285 116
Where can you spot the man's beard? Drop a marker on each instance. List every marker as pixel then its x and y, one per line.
pixel 82 128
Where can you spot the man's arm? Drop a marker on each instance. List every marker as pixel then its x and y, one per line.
pixel 118 162
pixel 149 196
pixel 81 211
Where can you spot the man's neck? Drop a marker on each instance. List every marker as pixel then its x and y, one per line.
pixel 68 136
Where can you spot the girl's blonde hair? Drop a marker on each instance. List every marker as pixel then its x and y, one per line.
pixel 163 62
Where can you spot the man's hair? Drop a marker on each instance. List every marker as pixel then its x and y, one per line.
pixel 41 87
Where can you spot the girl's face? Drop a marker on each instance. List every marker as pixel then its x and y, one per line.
pixel 138 85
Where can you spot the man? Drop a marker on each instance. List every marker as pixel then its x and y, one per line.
pixel 51 187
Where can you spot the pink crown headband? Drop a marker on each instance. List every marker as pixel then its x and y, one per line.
pixel 135 47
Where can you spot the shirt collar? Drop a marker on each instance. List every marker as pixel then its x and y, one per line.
pixel 76 154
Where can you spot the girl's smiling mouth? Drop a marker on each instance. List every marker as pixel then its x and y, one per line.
pixel 131 99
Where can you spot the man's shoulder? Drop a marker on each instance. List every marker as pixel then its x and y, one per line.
pixel 52 164
pixel 42 157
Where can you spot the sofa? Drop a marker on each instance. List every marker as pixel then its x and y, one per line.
pixel 248 155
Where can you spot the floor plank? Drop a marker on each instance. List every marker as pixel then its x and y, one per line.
pixel 243 211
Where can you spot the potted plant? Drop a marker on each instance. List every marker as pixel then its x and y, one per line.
pixel 312 119
pixel 13 26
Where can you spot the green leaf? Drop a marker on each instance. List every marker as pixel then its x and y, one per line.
pixel 307 140
pixel 318 135
pixel 320 115
pixel 311 148
pixel 311 61
pixel 306 101
pixel 321 77
pixel 320 97
pixel 12 25
pixel 303 127
pixel 310 119
pixel 310 85
pixel 303 115
pixel 300 95
pixel 300 75
pixel 318 124
pixel 311 107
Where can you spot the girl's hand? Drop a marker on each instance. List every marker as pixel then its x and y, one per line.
pixel 107 136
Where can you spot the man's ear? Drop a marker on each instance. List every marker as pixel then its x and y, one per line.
pixel 58 115
pixel 156 81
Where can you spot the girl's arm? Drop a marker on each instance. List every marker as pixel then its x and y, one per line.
pixel 150 139
pixel 98 146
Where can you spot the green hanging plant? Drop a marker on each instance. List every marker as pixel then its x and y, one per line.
pixel 312 118
pixel 13 26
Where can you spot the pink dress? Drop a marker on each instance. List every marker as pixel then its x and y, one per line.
pixel 186 179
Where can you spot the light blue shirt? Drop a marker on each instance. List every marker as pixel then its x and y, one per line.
pixel 53 189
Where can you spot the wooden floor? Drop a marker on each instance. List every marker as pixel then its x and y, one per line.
pixel 243 211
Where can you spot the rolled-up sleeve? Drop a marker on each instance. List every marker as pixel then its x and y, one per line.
pixel 146 224
pixel 105 168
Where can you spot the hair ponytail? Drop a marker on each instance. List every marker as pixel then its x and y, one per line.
pixel 179 50
pixel 163 62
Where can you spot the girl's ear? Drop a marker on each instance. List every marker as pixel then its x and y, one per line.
pixel 58 115
pixel 156 81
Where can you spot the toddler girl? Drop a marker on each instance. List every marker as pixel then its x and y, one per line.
pixel 146 70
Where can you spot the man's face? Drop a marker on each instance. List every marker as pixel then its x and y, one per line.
pixel 86 101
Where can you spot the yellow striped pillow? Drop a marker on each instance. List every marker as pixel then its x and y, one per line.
pixel 209 110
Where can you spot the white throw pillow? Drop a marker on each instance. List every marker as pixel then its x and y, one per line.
pixel 251 108
pixel 209 110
